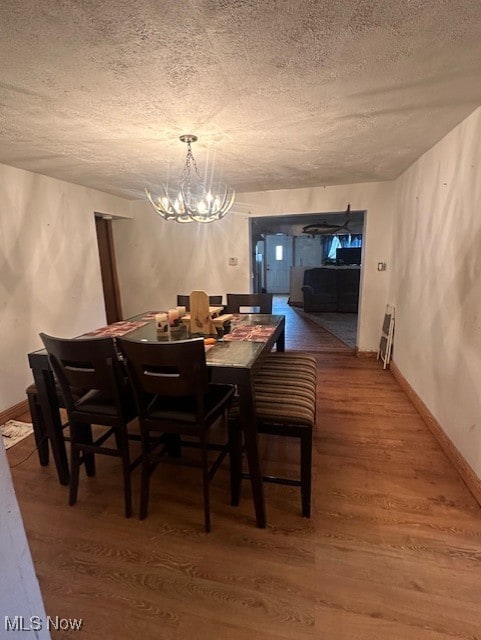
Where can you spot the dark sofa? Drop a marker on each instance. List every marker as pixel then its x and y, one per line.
pixel 331 289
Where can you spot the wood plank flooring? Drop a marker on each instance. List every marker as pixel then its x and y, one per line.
pixel 392 551
pixel 304 333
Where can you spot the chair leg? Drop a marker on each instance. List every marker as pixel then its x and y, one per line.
pixel 145 476
pixel 122 442
pixel 235 462
pixel 85 435
pixel 74 463
pixel 80 433
pixel 205 481
pixel 40 433
pixel 306 472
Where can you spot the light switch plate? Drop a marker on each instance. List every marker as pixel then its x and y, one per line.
pixel 233 262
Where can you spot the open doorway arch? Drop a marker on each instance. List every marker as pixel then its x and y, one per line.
pixel 329 251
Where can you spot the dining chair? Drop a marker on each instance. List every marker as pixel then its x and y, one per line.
pixel 184 301
pixel 93 365
pixel 184 403
pixel 260 301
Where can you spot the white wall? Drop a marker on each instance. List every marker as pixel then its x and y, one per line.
pixel 436 283
pixel 158 259
pixel 49 267
pixel 19 590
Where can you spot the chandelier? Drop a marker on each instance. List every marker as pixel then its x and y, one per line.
pixel 195 200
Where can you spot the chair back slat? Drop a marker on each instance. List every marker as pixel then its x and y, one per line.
pixel 170 369
pixel 90 363
pixel 184 301
pixel 260 301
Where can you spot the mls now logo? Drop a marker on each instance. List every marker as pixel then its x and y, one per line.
pixel 36 623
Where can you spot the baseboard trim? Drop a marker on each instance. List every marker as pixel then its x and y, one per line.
pixel 463 468
pixel 13 412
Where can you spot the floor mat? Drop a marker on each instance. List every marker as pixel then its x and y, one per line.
pixel 341 325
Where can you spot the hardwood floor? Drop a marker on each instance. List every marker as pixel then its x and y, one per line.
pixel 392 551
pixel 303 333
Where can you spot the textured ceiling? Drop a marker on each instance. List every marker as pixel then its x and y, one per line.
pixel 282 94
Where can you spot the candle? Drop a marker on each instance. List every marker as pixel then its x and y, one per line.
pixel 173 317
pixel 162 322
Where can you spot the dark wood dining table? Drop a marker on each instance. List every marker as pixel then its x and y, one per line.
pixel 231 360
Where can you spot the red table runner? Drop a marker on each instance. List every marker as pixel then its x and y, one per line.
pixel 250 333
pixel 116 329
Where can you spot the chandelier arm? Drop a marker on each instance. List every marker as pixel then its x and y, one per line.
pixel 165 208
pixel 219 213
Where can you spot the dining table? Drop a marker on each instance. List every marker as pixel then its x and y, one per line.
pixel 232 359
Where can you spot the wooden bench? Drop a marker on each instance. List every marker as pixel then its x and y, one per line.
pixel 285 401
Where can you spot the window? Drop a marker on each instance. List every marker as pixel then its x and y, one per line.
pixel 279 252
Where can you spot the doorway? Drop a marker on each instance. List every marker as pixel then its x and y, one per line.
pixel 108 268
pixel 283 252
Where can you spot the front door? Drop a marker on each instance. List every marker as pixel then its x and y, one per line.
pixel 278 262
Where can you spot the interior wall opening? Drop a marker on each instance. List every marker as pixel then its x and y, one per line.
pixel 322 251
